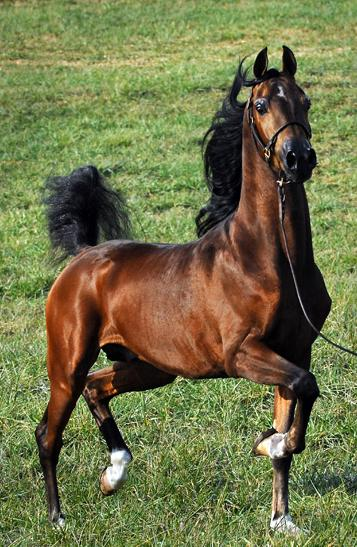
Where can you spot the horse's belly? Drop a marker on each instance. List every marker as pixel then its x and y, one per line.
pixel 162 336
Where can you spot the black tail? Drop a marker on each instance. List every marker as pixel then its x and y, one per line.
pixel 81 208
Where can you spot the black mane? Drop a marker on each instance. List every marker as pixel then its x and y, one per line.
pixel 222 152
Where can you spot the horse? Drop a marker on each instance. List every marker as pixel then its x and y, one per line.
pixel 229 294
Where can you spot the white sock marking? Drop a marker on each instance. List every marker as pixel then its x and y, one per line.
pixel 277 445
pixel 284 524
pixel 61 522
pixel 117 472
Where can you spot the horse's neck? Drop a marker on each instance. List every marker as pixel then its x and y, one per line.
pixel 257 216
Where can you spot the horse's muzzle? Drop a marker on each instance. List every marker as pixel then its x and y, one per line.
pixel 298 158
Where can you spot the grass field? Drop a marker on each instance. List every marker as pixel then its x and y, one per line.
pixel 131 87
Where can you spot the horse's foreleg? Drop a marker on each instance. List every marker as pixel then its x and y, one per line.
pixel 258 363
pixel 284 405
pixel 101 386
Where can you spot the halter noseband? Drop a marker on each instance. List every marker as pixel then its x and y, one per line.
pixel 268 148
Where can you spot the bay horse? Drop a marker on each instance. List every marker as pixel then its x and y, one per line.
pixel 221 306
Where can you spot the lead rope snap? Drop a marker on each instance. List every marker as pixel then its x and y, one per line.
pixel 281 192
pixel 267 154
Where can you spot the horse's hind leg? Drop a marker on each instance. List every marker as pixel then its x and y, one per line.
pixel 101 386
pixel 67 376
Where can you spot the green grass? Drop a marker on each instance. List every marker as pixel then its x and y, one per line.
pixel 131 87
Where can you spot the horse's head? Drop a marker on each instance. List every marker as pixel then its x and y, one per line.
pixel 278 117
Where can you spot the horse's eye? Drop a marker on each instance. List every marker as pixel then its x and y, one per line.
pixel 261 106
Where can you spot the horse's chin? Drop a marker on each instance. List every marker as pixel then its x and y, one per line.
pixel 298 178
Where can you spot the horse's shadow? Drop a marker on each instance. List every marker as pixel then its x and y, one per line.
pixel 323 481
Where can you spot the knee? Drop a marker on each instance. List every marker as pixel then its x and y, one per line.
pixel 305 386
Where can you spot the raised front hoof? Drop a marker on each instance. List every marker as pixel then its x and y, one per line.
pixel 284 524
pixel 107 486
pixel 271 444
pixel 114 476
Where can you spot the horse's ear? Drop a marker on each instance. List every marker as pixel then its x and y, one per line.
pixel 261 63
pixel 289 61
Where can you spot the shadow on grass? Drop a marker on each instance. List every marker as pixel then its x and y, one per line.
pixel 324 481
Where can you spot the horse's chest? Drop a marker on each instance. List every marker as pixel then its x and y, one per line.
pixel 289 333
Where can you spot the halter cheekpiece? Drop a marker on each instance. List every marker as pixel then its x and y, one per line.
pixel 268 148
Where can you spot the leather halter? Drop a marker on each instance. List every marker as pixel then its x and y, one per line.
pixel 268 148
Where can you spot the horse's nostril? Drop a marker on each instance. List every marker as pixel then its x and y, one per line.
pixel 291 159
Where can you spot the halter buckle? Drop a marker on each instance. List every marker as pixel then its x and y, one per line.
pixel 267 153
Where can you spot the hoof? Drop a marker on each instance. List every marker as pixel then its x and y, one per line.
pixel 113 477
pixel 271 444
pixel 285 524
